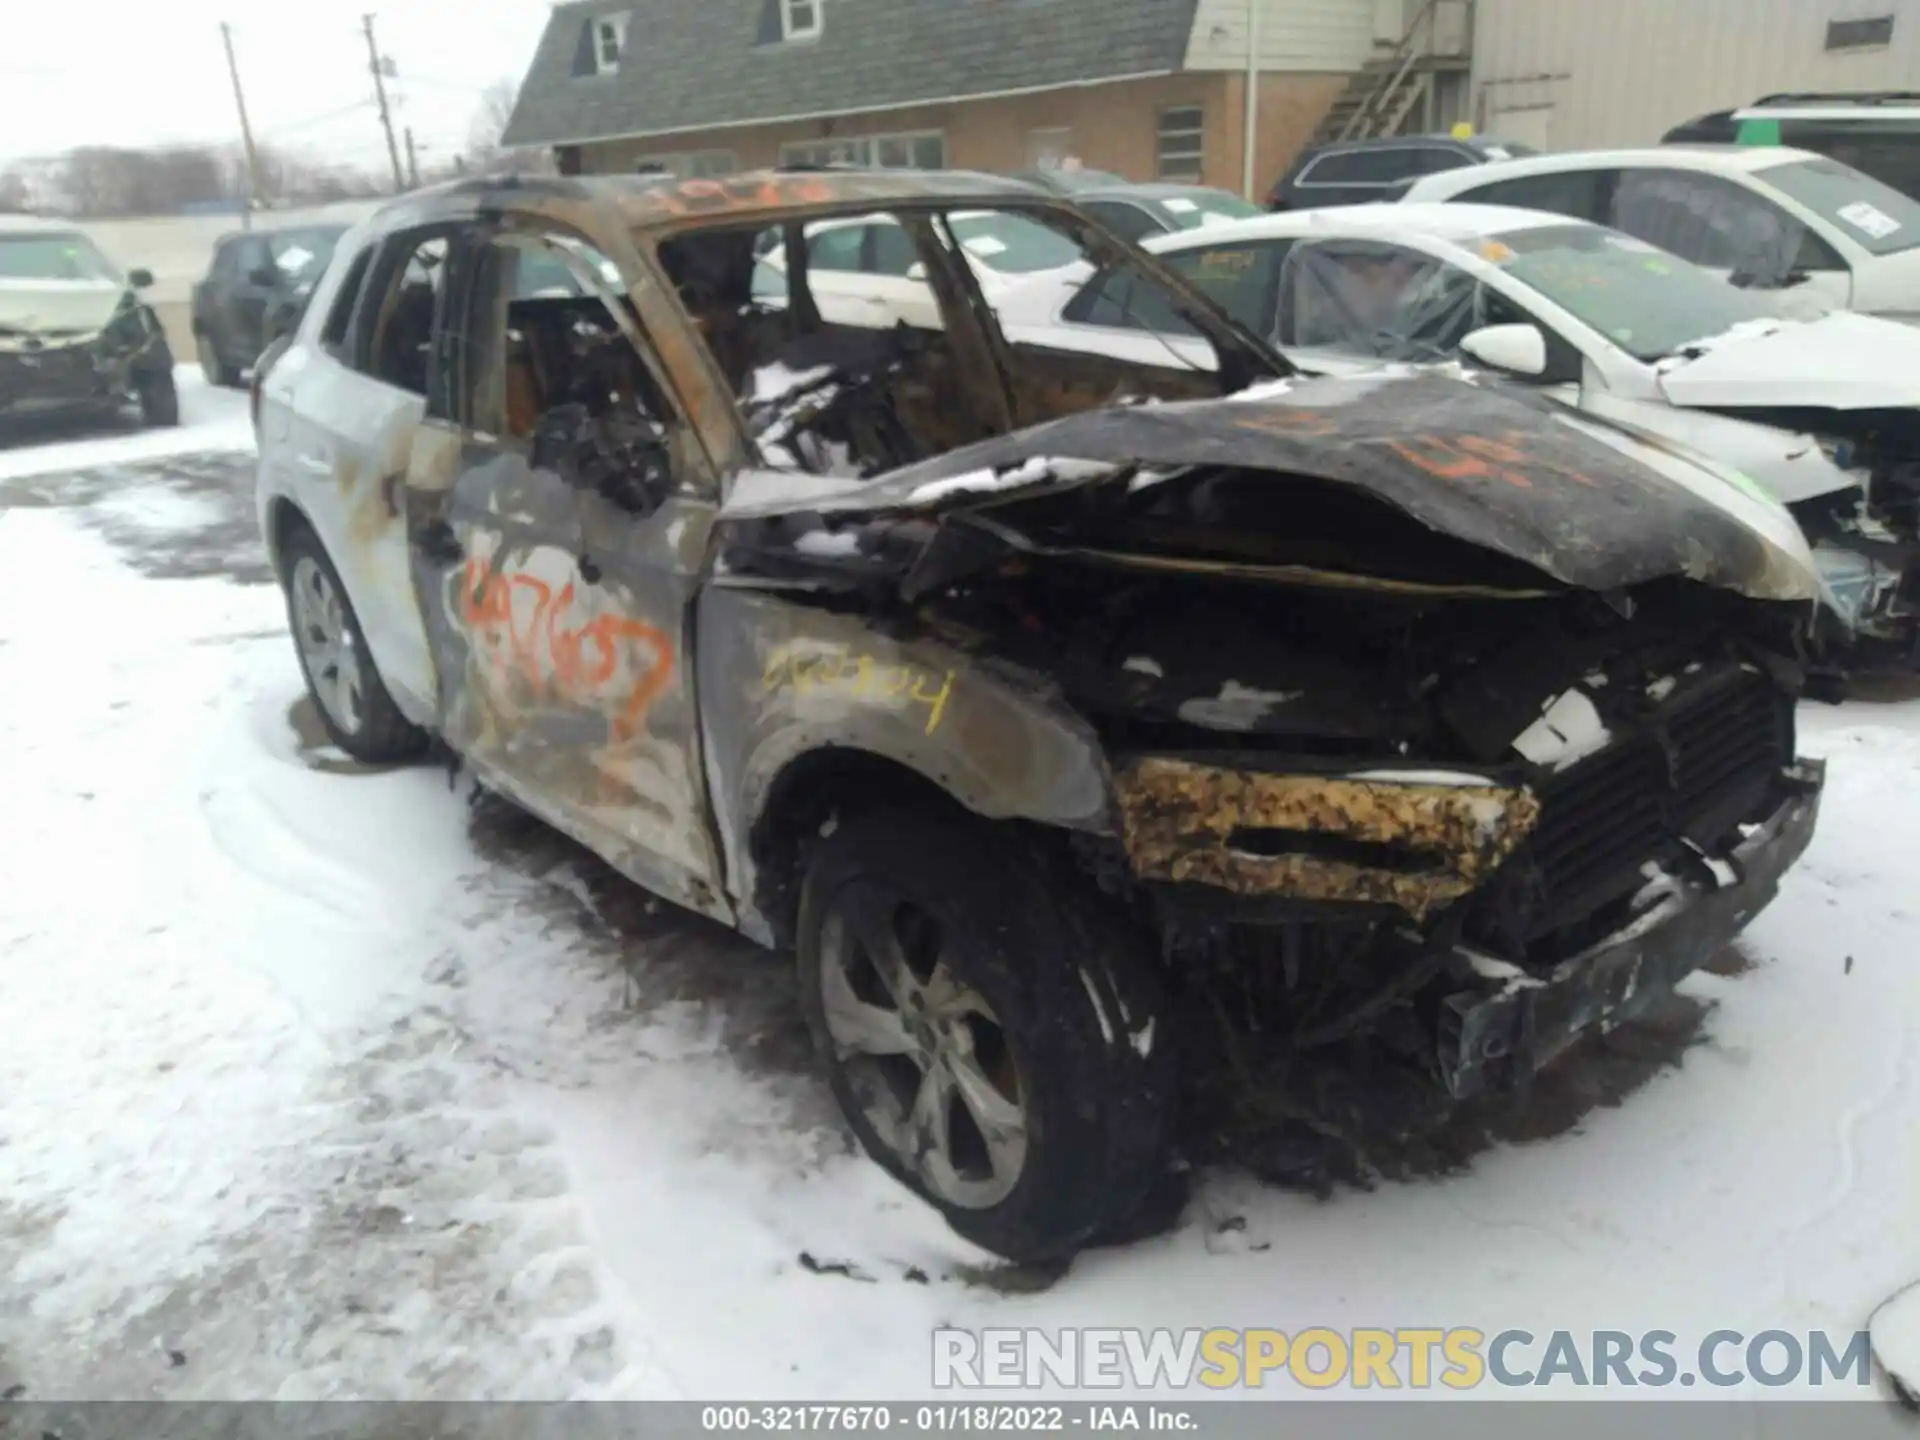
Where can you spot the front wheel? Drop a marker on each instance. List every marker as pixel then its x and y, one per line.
pixel 356 710
pixel 159 399
pixel 988 1029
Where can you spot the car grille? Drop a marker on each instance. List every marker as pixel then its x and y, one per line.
pixel 1705 763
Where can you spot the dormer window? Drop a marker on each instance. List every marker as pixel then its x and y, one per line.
pixel 799 19
pixel 609 40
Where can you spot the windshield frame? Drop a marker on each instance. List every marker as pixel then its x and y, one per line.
pixel 109 273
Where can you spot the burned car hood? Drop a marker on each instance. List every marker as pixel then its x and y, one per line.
pixel 58 306
pixel 1842 361
pixel 1585 502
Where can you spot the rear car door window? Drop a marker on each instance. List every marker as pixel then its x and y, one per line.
pixel 840 247
pixel 399 342
pixel 1573 193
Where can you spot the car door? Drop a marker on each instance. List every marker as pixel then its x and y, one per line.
pixel 357 414
pixel 248 299
pixel 1736 232
pixel 561 530
pixel 838 273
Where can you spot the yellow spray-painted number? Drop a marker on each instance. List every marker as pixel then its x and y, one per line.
pixel 857 676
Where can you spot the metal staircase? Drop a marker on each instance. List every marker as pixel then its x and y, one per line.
pixel 1392 89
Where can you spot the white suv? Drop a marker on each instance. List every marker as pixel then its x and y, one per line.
pixel 1821 232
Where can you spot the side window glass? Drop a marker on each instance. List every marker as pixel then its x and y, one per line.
pixel 893 251
pixel 1129 222
pixel 1437 160
pixel 836 247
pixel 829 378
pixel 339 324
pixel 402 338
pixel 1341 168
pixel 1240 279
pixel 567 381
pixel 1382 301
pixel 1708 220
pixel 1573 193
pixel 225 260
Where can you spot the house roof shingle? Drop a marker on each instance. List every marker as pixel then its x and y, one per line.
pixel 695 64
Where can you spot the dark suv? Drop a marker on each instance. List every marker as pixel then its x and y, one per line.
pixel 1354 172
pixel 254 291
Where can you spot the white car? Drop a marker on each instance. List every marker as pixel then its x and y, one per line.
pixel 866 271
pixel 1813 229
pixel 1604 323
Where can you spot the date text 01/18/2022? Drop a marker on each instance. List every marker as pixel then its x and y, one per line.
pixel 947 1419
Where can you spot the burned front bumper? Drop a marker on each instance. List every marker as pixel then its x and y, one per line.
pixel 1505 1023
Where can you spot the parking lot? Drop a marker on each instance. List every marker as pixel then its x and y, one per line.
pixel 324 1081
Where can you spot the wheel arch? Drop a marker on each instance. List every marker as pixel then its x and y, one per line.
pixel 284 519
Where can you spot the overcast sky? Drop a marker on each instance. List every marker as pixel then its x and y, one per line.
pixel 132 72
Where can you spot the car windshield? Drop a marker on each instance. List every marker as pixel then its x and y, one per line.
pixel 1013 244
pixel 1644 300
pixel 59 256
pixel 303 254
pixel 1871 214
pixel 1207 207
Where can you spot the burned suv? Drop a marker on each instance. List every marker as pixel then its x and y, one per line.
pixel 74 333
pixel 1076 721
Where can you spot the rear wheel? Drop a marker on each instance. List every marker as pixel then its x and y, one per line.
pixel 355 708
pixel 988 1031
pixel 217 371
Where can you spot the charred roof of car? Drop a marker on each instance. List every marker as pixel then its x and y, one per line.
pixel 653 202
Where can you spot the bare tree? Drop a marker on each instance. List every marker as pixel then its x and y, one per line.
pixel 15 193
pixel 485 154
pixel 106 180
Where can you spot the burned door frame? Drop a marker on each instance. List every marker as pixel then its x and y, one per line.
pixel 561 610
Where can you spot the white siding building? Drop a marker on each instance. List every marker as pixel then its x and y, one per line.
pixel 1580 74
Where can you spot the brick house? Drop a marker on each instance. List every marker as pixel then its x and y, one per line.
pixel 1149 89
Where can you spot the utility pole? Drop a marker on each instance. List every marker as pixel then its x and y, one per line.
pixel 380 93
pixel 413 162
pixel 246 130
pixel 1251 105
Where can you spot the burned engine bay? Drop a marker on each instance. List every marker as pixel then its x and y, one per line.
pixel 1399 727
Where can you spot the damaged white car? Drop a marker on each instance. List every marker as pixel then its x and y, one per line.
pixel 1103 762
pixel 1824 412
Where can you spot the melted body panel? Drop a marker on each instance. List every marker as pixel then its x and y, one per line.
pixel 780 680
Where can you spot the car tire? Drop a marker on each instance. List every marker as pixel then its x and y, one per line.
pixel 353 703
pixel 217 371
pixel 159 398
pixel 960 980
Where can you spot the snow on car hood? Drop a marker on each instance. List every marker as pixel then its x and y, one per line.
pixel 1842 361
pixel 58 305
pixel 1589 503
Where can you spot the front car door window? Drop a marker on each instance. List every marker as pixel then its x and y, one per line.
pixel 1719 225
pixel 1242 279
pixel 1369 298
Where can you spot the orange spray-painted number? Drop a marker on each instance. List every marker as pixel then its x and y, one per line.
pixel 524 630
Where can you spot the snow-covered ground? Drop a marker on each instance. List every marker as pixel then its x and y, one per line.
pixel 320 1082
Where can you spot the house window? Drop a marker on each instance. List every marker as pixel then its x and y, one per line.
pixel 1860 34
pixel 690 164
pixel 923 150
pixel 799 19
pixel 609 39
pixel 1181 132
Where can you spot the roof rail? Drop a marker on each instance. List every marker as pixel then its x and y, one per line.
pixel 1843 97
